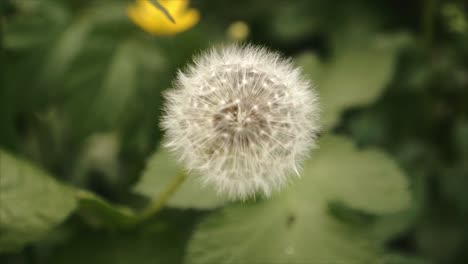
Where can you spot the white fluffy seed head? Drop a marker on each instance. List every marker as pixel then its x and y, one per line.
pixel 242 118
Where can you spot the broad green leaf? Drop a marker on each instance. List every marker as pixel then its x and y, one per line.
pixel 296 226
pixel 162 171
pixel 382 228
pixel 355 76
pixel 363 179
pixel 100 213
pixel 282 230
pixel 31 202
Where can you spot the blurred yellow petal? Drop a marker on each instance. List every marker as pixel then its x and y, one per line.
pixel 144 14
pixel 175 7
pixel 185 22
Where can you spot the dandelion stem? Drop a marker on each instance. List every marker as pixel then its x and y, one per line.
pixel 158 203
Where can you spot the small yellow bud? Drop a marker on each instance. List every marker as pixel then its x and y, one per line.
pixel 238 31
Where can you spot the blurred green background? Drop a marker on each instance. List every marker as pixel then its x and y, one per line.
pixel 80 99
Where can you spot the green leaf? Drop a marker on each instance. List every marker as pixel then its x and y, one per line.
pixel 356 75
pixel 104 84
pixel 66 48
pixel 26 29
pixel 363 179
pixel 90 58
pixel 69 43
pixel 66 34
pixel 31 202
pixel 283 230
pixel 100 213
pixel 161 171
pixel 118 86
pixel 296 226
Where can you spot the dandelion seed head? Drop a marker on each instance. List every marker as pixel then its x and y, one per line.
pixel 242 118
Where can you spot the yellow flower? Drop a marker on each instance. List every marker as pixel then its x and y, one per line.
pixel 151 19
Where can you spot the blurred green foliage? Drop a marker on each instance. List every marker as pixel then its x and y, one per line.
pixel 80 164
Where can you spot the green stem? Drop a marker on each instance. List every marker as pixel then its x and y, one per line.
pixel 158 203
pixel 427 22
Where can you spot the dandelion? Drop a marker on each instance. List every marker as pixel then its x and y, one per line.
pixel 153 20
pixel 243 119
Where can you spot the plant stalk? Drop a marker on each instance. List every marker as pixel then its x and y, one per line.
pixel 159 203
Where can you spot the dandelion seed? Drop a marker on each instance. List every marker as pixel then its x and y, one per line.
pixel 250 137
